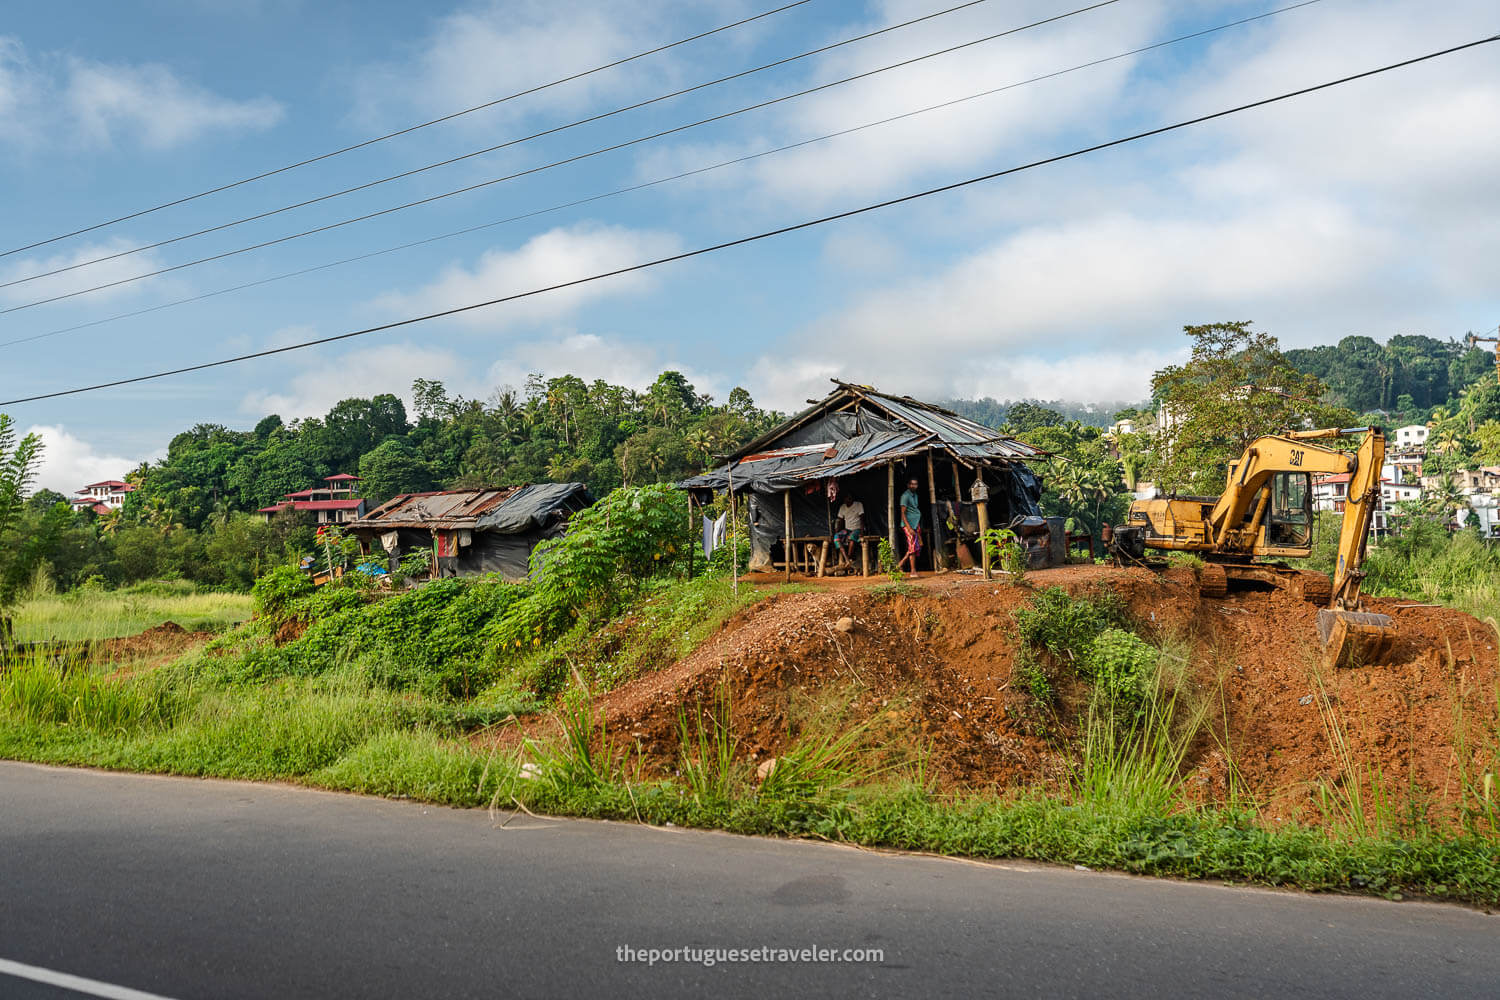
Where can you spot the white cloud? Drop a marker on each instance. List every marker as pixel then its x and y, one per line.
pixel 943 142
pixel 56 99
pixel 360 372
pixel 488 50
pixel 551 258
pixel 69 462
pixel 1100 376
pixel 94 275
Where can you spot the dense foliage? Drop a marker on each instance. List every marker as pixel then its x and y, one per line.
pixel 191 518
pixel 1236 386
pixel 1405 377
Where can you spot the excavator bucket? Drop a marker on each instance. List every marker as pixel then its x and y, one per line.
pixel 1354 638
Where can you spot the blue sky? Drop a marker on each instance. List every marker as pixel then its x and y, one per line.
pixel 1367 210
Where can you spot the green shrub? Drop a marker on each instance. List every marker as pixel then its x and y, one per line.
pixel 1066 627
pixel 1122 666
pixel 275 592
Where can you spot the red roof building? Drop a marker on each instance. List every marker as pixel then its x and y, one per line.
pixel 104 496
pixel 334 503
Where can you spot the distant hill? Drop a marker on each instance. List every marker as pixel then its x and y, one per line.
pixel 992 412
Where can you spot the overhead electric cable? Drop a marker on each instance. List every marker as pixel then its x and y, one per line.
pixel 512 176
pixel 562 128
pixel 743 240
pixel 404 131
pixel 658 181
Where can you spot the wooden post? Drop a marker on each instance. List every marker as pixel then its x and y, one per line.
pixel 786 497
pixel 939 557
pixel 692 542
pixel 822 557
pixel 890 505
pixel 864 556
pixel 982 502
pixel 734 528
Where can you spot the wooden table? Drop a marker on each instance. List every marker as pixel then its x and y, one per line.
pixel 812 555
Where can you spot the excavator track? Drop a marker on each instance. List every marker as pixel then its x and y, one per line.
pixel 1314 588
pixel 1212 581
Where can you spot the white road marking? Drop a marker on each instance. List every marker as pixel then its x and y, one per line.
pixel 78 984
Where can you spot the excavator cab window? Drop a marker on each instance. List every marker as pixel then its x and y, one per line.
pixel 1290 520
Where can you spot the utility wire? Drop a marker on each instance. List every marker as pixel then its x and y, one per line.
pixel 546 132
pixel 405 131
pixel 660 180
pixel 509 177
pixel 743 240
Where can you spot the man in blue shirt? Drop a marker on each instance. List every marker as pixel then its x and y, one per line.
pixel 911 524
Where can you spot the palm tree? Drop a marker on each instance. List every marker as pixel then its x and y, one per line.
pixel 1443 500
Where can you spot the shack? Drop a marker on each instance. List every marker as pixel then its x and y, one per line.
pixel 867 445
pixel 470 532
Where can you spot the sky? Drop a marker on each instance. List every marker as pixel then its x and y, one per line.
pixel 1368 209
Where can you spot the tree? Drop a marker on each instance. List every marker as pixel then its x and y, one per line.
pixel 1236 386
pixel 1026 416
pixel 18 465
pixel 393 467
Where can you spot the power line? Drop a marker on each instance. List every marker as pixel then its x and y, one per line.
pixel 661 180
pixel 509 177
pixel 741 241
pixel 536 135
pixel 405 131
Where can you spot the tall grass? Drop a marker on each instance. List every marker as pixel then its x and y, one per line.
pixel 37 691
pixel 92 613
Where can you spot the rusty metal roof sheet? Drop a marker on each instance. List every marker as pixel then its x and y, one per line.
pixel 506 510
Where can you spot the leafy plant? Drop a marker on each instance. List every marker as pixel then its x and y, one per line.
pixel 887 559
pixel 275 592
pixel 1122 666
pixel 1006 548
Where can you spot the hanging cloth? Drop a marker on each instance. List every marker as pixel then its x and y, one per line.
pixel 713 533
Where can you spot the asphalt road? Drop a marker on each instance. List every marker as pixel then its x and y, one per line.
pixel 184 888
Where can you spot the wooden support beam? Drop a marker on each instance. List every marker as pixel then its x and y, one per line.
pixel 786 497
pixel 939 557
pixel 890 506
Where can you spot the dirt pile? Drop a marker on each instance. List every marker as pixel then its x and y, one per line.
pixel 932 666
pixel 153 647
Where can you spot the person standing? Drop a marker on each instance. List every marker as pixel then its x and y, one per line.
pixel 851 517
pixel 911 524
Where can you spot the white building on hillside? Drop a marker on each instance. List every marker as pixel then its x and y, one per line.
pixel 103 497
pixel 1410 437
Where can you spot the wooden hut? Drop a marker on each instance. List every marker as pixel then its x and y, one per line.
pixel 867 444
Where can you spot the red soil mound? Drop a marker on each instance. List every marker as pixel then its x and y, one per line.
pixel 932 666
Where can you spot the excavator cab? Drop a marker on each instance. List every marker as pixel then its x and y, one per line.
pixel 1290 519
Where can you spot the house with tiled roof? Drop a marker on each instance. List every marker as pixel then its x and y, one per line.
pixel 336 502
pixel 103 496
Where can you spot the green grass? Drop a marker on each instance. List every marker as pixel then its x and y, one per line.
pixel 89 613
pixel 1123 806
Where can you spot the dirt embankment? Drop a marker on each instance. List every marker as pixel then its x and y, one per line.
pixel 933 667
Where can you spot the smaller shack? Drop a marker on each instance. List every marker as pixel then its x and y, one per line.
pixel 470 532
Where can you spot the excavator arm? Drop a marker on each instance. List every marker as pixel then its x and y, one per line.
pixel 1245 492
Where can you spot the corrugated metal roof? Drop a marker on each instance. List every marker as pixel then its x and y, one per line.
pixel 817 461
pixel 449 509
pixel 506 511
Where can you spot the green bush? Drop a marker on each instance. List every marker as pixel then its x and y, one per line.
pixel 1066 627
pixel 1121 665
pixel 275 592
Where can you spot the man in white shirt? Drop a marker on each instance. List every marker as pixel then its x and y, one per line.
pixel 851 516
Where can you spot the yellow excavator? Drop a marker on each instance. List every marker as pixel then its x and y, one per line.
pixel 1265 514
